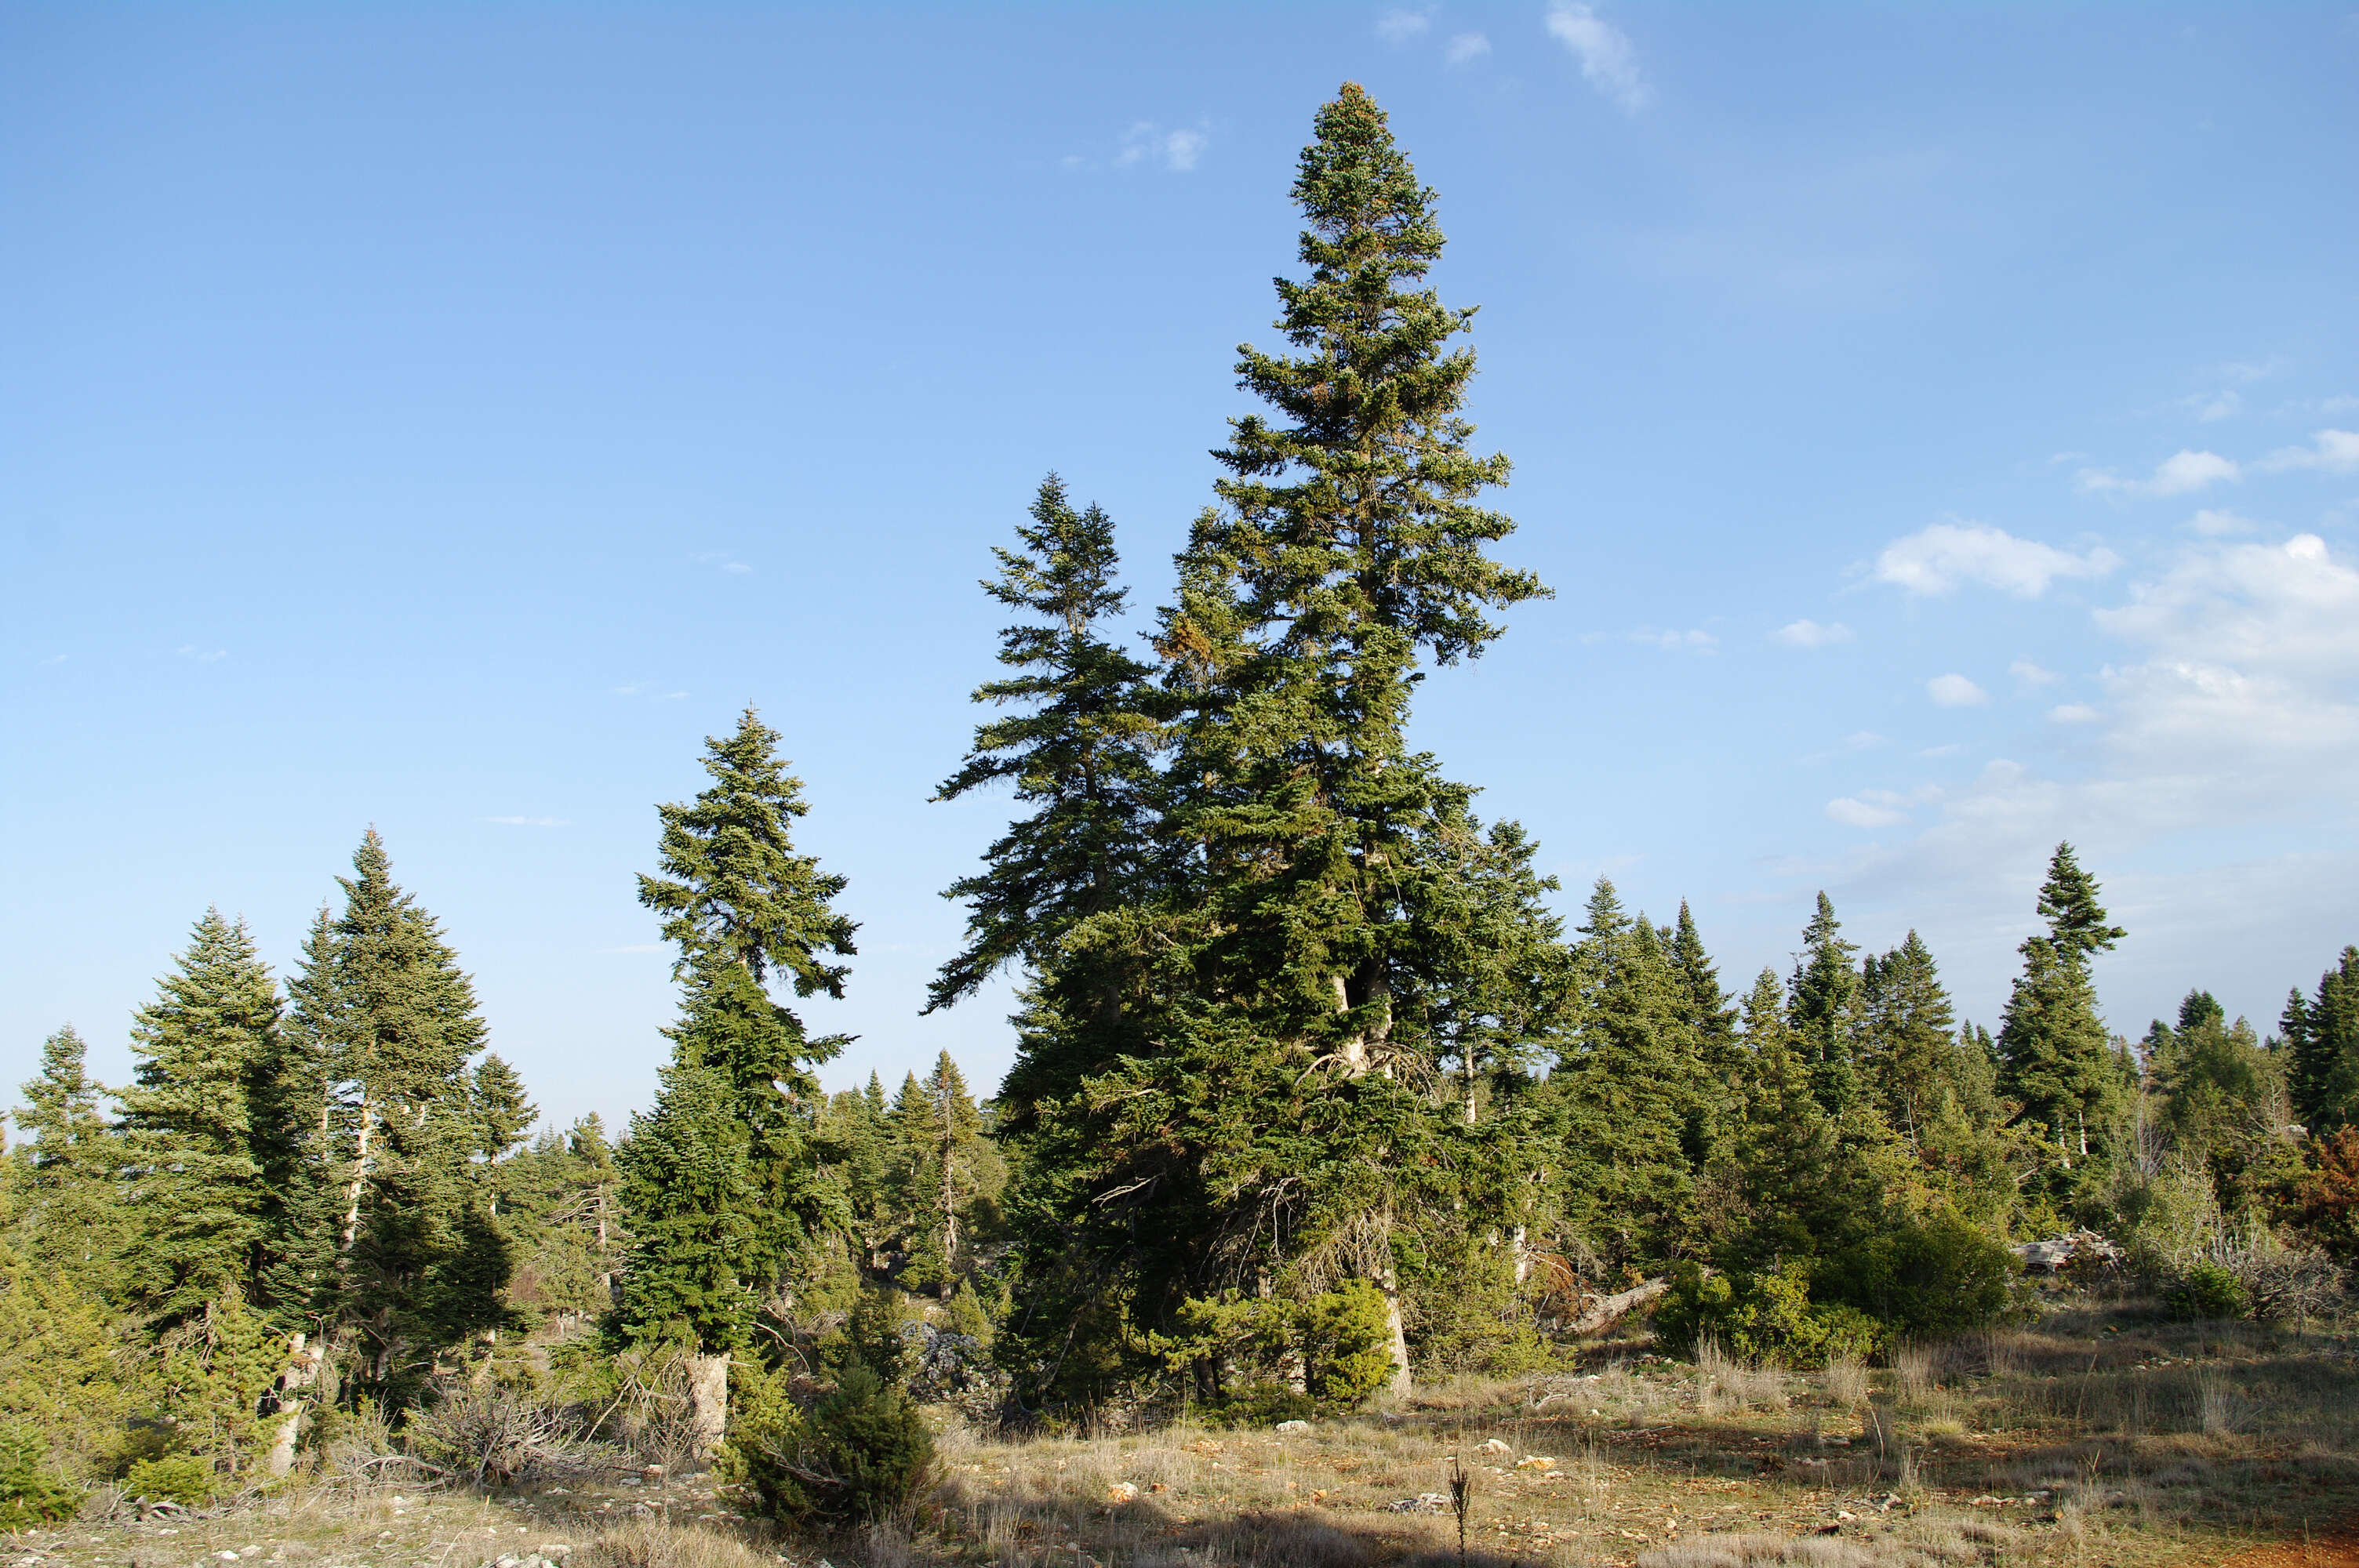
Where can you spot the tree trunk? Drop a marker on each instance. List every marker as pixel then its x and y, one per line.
pixel 302 1370
pixel 708 1400
pixel 1388 1282
pixel 360 1177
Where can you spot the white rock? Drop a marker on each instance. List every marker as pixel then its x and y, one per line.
pixel 1294 1426
pixel 1495 1446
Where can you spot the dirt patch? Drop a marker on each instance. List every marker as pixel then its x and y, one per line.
pixel 2338 1548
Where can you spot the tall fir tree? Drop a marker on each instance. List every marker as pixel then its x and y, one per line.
pixel 71 1219
pixel 721 1183
pixel 2057 1063
pixel 1080 750
pixel 1256 1126
pixel 419 1265
pixel 1632 1081
pixel 1906 1037
pixel 190 1146
pixel 1822 1005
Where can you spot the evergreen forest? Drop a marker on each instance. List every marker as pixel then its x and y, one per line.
pixel 1317 1097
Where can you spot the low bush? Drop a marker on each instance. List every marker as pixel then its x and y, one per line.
pixel 1338 1345
pixel 869 1447
pixel 30 1492
pixel 1762 1317
pixel 176 1478
pixel 1929 1277
pixel 2208 1290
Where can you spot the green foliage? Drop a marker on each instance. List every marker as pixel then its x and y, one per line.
pixel 728 1194
pixel 685 1178
pixel 31 1492
pixel 2057 1063
pixel 1766 1317
pixel 176 1478
pixel 876 1335
pixel 868 1448
pixel 2209 1290
pixel 1921 1277
pixel 207 1384
pixel 767 1435
pixel 1337 1345
pixel 67 1381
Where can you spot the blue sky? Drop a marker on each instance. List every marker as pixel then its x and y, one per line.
pixel 1937 423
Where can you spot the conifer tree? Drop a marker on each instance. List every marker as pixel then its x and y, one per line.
pixel 1253 1121
pixel 2321 1037
pixel 2057 1061
pixel 722 1182
pixel 190 1135
pixel 947 1168
pixel 420 1264
pixel 1631 1079
pixel 1081 751
pixel 696 1241
pixel 1822 1000
pixel 1907 1029
pixel 70 1218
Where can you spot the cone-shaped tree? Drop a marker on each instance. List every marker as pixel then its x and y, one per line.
pixel 1079 751
pixel 196 1187
pixel 2321 1040
pixel 1906 1032
pixel 71 1220
pixel 740 903
pixel 2057 1061
pixel 946 1170
pixel 1823 1004
pixel 419 1267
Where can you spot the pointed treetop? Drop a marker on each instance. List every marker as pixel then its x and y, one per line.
pixel 732 884
pixel 2067 901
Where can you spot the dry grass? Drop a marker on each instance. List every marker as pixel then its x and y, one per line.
pixel 650 1544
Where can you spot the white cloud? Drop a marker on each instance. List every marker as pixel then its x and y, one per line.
pixel 1607 60
pixel 1400 24
pixel 1955 691
pixel 202 655
pixel 2226 400
pixel 1694 641
pixel 2181 473
pixel 1467 47
pixel 2212 524
pixel 2031 675
pixel 1146 142
pixel 529 821
pixel 1807 633
pixel 2074 713
pixel 1880 807
pixel 1943 557
pixel 1853 813
pixel 2330 451
pixel 54 659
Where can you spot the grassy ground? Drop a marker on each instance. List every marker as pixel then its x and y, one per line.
pixel 2100 1438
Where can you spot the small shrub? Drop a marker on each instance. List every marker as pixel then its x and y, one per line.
pixel 1763 1317
pixel 30 1493
pixel 179 1478
pixel 1261 1404
pixel 2208 1290
pixel 1932 1276
pixel 869 1448
pixel 1338 1342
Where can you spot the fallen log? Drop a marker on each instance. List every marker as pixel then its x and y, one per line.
pixel 1603 1312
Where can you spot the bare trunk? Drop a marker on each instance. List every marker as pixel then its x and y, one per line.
pixel 360 1176
pixel 1522 1257
pixel 949 1225
pixel 302 1370
pixel 1388 1282
pixel 708 1400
